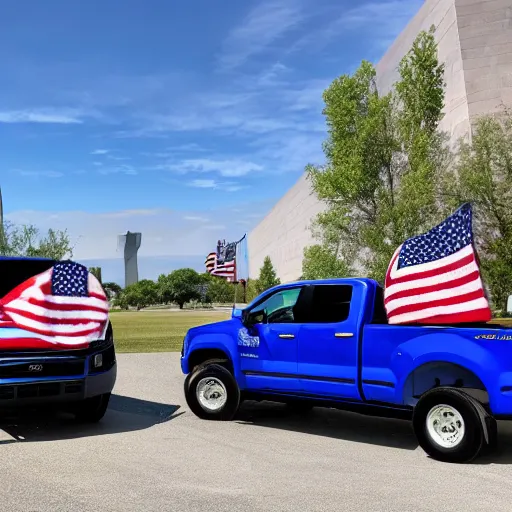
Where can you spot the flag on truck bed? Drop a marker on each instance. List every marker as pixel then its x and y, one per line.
pixel 434 278
pixel 63 306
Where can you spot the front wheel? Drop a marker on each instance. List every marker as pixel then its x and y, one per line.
pixel 212 393
pixel 451 426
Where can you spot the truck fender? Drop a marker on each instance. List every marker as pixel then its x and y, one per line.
pixel 442 348
pixel 218 341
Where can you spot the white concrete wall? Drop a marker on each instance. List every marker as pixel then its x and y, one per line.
pixel 475 43
pixel 485 30
pixel 443 15
pixel 284 233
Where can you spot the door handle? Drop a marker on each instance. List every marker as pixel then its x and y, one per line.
pixel 344 335
pixel 287 336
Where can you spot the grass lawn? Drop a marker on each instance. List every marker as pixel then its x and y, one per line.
pixel 163 331
pixel 158 331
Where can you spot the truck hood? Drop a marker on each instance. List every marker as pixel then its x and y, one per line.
pixel 222 326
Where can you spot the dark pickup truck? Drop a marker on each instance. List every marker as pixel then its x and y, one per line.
pixel 34 374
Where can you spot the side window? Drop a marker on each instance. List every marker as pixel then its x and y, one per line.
pixel 279 308
pixel 330 304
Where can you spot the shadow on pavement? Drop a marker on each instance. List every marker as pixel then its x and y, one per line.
pixel 333 423
pixel 124 414
pixel 503 454
pixel 393 433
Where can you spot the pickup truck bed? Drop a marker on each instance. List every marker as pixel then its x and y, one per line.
pixel 328 343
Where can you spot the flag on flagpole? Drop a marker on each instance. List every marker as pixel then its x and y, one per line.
pixel 226 270
pixel 63 306
pixel 435 278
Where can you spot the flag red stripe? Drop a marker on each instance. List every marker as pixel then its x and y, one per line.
pixel 54 306
pixel 411 292
pixel 49 320
pixel 431 273
pixel 450 301
pixel 35 343
pixel 464 317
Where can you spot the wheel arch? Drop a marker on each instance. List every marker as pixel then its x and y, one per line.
pixel 442 373
pixel 220 356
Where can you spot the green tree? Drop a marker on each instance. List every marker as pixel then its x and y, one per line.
pixel 251 290
pixel 220 290
pixel 27 240
pixel 112 289
pixel 483 176
pixel 180 286
pixel 96 272
pixel 268 277
pixel 384 162
pixel 321 263
pixel 141 294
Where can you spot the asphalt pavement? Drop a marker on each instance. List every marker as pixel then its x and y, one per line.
pixel 151 454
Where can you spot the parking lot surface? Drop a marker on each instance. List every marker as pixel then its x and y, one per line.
pixel 151 454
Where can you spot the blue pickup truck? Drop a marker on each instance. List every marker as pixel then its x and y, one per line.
pixel 327 343
pixel 33 373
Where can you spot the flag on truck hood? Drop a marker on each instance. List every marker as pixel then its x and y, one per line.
pixel 435 278
pixel 65 306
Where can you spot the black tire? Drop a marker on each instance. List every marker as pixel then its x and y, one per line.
pixel 472 441
pixel 219 374
pixel 92 410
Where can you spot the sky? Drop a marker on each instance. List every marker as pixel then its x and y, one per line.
pixel 184 120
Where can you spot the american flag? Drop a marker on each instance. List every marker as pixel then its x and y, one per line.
pixel 434 278
pixel 64 306
pixel 226 270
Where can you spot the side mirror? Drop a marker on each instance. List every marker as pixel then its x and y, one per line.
pixel 237 313
pixel 251 318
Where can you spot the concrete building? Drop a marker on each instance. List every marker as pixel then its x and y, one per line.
pixel 475 43
pixel 131 244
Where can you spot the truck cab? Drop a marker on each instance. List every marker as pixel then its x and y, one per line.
pixel 327 343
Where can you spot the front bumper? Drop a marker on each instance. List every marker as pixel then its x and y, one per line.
pixel 82 381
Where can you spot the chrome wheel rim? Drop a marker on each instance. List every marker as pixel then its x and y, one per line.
pixel 211 394
pixel 445 426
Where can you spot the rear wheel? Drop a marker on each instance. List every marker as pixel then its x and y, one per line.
pixel 92 410
pixel 212 393
pixel 451 426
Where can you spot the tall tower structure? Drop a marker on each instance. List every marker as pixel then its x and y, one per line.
pixel 131 244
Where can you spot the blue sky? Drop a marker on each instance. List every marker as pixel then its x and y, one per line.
pixel 186 120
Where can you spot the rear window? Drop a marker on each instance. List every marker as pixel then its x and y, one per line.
pixel 330 303
pixel 379 311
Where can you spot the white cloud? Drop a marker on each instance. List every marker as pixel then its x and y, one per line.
pixel 44 116
pixel 39 174
pixel 122 169
pixel 228 186
pixel 195 218
pixel 203 183
pixel 226 168
pixel 382 20
pixel 266 23
pixel 100 152
pixel 164 232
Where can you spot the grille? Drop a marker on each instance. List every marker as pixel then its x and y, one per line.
pixel 40 368
pixel 46 389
